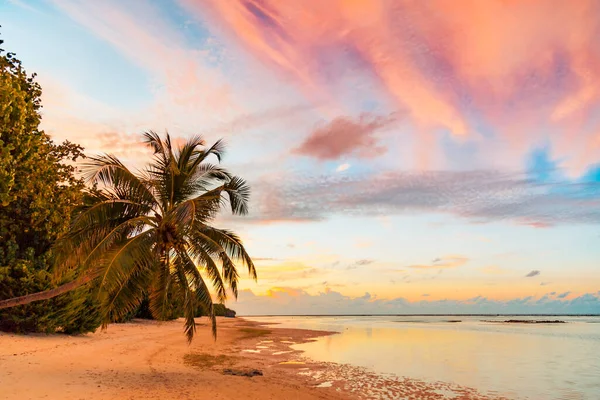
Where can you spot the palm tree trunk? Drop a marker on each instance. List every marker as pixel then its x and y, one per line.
pixel 48 294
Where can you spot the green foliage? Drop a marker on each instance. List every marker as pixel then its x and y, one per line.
pixel 219 309
pixel 222 311
pixel 73 312
pixel 174 310
pixel 38 193
pixel 150 234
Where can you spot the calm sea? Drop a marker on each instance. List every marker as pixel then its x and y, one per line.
pixel 520 361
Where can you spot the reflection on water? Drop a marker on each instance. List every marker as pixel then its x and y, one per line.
pixel 525 361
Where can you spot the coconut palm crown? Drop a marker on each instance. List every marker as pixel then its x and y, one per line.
pixel 149 233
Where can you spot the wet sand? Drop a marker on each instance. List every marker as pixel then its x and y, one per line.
pixel 149 360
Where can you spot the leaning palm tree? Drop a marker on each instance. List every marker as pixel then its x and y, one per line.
pixel 150 234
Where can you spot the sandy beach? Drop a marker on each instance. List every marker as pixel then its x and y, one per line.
pixel 149 360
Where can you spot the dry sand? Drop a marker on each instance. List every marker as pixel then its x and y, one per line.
pixel 149 360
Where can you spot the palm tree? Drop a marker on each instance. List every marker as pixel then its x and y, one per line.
pixel 149 233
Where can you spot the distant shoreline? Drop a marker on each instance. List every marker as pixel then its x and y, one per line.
pixel 421 315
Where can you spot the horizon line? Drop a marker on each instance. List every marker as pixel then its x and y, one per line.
pixel 419 315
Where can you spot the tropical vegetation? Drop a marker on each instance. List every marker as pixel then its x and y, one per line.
pixel 124 236
pixel 38 194
pixel 151 233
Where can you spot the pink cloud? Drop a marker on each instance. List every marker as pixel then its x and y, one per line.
pixel 292 37
pixel 527 69
pixel 345 136
pixel 535 224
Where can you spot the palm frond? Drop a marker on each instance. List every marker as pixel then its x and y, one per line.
pixel 153 140
pixel 160 287
pixel 206 176
pixel 208 204
pixel 202 242
pixel 92 242
pixel 239 195
pixel 126 294
pixel 182 216
pixel 232 244
pixel 118 179
pixel 126 254
pixel 217 149
pixel 205 301
pixel 111 211
pixel 211 269
pixel 186 292
pixel 187 154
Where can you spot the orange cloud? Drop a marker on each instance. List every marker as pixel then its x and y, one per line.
pixel 276 292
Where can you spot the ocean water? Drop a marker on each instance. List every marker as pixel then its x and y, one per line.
pixel 520 361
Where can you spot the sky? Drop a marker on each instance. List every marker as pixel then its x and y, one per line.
pixel 403 156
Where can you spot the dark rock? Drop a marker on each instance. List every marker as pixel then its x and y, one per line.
pixel 527 321
pixel 516 321
pixel 249 373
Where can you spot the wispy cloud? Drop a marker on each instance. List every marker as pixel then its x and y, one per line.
pixel 360 263
pixel 252 120
pixel 450 261
pixel 479 196
pixel 183 77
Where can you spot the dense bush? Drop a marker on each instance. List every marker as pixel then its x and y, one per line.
pixel 222 311
pixel 143 311
pixel 38 194
pixel 176 311
pixel 219 309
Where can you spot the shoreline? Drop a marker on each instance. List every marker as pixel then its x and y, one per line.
pixel 152 360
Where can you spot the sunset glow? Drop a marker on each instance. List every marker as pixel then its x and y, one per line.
pixel 403 156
